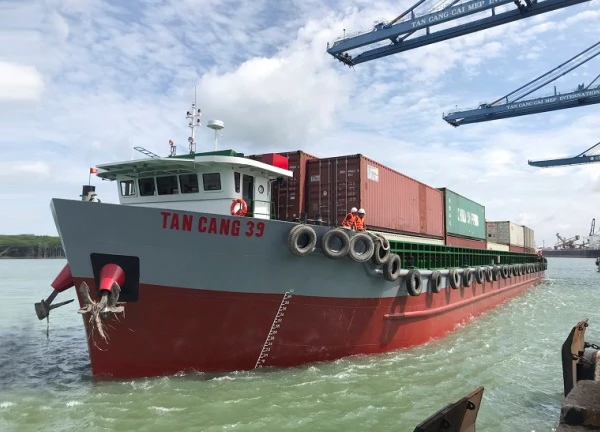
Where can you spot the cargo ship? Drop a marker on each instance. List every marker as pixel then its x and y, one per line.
pixel 216 261
pixel 572 253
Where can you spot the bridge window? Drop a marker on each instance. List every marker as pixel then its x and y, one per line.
pixel 236 177
pixel 212 181
pixel 167 185
pixel 127 188
pixel 189 183
pixel 146 185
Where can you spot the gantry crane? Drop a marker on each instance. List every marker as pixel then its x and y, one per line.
pixel 582 158
pixel 513 105
pixel 398 30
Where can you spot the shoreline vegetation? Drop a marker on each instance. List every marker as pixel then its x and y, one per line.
pixel 30 246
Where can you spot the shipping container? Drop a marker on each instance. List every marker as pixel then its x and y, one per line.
pixel 517 249
pixel 464 242
pixel 463 217
pixel 289 196
pixel 497 246
pixel 275 159
pixel 393 201
pixel 528 237
pixel 505 232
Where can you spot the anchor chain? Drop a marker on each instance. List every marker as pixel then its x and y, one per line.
pixel 264 353
pixel 103 308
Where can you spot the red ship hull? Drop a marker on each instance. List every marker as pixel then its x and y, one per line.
pixel 184 330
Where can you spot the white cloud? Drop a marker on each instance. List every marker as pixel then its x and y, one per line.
pixel 110 75
pixel 19 82
pixel 15 168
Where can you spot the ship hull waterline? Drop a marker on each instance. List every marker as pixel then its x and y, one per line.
pixel 236 303
pixel 201 331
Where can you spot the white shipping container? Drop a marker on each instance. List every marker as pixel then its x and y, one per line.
pixel 506 233
pixel 529 237
pixel 498 247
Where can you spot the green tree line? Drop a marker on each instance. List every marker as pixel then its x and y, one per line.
pixel 29 240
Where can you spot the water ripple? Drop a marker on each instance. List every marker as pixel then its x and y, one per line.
pixel 513 351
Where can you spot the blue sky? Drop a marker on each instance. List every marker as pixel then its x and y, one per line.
pixel 83 81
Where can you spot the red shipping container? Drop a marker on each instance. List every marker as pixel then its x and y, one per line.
pixel 516 249
pixel 465 242
pixel 289 197
pixel 393 201
pixel 276 160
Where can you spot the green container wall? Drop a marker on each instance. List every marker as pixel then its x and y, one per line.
pixel 463 217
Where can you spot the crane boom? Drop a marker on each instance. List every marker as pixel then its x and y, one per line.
pixel 531 106
pixel 398 32
pixel 580 159
pixel 514 106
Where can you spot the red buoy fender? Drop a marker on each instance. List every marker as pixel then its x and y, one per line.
pixel 110 274
pixel 242 210
pixel 64 280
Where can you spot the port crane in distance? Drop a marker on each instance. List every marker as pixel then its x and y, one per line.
pixel 406 24
pixel 513 104
pixel 582 158
pixel 567 243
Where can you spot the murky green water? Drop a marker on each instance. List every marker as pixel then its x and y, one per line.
pixel 513 351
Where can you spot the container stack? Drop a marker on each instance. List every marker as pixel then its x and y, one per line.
pixel 326 189
pixel 506 233
pixel 529 239
pixel 289 196
pixel 464 221
pixel 393 202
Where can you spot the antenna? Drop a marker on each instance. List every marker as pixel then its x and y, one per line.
pixel 194 116
pixel 216 125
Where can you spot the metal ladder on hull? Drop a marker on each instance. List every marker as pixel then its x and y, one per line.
pixel 264 353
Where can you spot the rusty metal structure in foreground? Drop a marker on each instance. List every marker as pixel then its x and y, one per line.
pixel 579 358
pixel 459 416
pixel 580 409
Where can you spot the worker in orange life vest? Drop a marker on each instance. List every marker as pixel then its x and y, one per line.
pixel 360 220
pixel 349 219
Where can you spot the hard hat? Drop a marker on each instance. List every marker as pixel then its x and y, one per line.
pixel 361 211
pixel 353 210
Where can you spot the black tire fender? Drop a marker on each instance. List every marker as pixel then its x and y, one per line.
pixel 504 272
pixel 326 246
pixel 467 277
pixel 414 282
pixel 380 254
pixel 357 256
pixel 453 278
pixel 489 275
pixel 479 275
pixel 294 236
pixel 435 281
pixel 496 273
pixel 391 269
